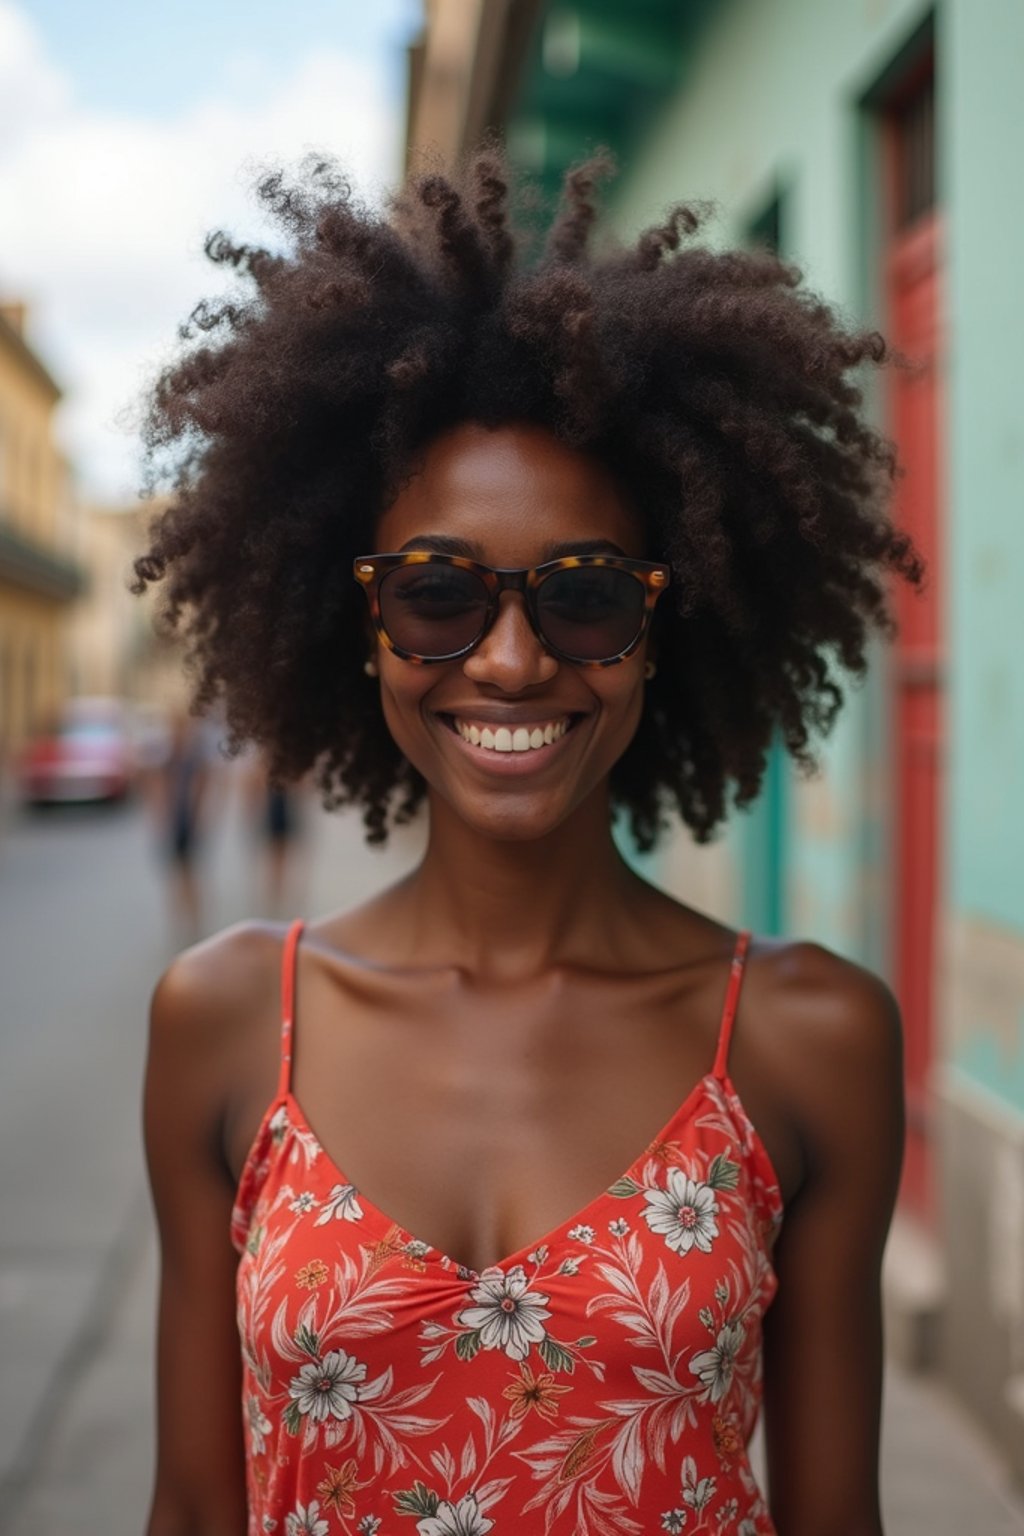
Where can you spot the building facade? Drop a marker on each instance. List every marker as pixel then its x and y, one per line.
pixel 116 646
pixel 877 145
pixel 39 571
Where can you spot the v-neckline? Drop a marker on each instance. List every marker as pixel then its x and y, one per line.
pixel 546 1239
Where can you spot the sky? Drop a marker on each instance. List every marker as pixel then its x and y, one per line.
pixel 127 132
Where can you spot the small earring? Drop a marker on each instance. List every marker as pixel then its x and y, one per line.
pixel 370 667
pixel 649 670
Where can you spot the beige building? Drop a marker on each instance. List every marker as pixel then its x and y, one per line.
pixel 463 70
pixel 115 648
pixel 39 570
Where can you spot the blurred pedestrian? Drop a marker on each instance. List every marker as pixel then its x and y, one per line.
pixel 179 788
pixel 616 517
pixel 275 816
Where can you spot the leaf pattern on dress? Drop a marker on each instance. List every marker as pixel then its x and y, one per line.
pixel 607 1382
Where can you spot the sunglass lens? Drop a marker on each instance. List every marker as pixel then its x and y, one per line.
pixel 590 613
pixel 432 610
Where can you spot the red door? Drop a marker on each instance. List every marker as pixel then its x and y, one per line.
pixel 913 279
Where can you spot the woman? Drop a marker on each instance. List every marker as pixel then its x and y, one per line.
pixel 615 518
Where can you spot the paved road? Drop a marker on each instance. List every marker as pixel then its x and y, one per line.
pixel 83 934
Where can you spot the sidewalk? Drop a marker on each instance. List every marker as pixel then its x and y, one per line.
pixel 90 1472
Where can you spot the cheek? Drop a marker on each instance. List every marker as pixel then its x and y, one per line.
pixel 626 709
pixel 620 694
pixel 403 687
pixel 619 706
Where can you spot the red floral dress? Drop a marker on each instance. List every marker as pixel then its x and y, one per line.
pixel 603 1381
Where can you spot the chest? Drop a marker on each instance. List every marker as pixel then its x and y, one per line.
pixel 480 1119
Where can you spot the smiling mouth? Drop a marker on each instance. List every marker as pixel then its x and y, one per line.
pixel 533 736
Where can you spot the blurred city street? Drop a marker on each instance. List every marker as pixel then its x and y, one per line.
pixel 83 935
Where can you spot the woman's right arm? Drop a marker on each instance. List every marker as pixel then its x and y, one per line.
pixel 200 1469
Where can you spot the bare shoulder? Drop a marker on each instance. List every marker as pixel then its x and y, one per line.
pixel 837 1008
pixel 217 989
pixel 830 1042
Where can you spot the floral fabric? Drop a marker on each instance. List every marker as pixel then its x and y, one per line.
pixel 605 1381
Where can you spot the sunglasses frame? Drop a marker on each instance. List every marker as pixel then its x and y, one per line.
pixel 369 571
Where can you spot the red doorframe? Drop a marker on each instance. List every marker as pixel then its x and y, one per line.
pixel 913 270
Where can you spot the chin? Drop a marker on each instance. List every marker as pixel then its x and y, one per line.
pixel 520 817
pixel 510 823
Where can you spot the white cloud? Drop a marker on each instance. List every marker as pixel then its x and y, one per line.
pixel 31 89
pixel 104 215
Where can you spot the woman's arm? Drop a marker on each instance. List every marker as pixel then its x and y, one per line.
pixel 823 1333
pixel 200 1472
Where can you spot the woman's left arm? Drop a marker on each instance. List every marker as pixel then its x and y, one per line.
pixel 823 1332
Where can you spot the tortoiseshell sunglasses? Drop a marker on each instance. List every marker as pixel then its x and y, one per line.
pixel 591 610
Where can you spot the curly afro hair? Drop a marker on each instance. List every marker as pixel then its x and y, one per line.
pixel 721 392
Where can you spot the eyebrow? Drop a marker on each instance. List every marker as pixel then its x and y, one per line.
pixel 443 544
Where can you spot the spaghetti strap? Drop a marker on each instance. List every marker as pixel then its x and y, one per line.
pixel 721 1068
pixel 289 962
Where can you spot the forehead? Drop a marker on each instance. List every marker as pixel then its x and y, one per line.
pixel 511 493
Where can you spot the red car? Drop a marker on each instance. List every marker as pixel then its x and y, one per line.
pixel 87 755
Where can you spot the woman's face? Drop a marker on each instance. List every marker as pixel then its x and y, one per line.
pixel 512 497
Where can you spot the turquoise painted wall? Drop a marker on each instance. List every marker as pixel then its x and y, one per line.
pixel 771 101
pixel 983 133
pixel 983 128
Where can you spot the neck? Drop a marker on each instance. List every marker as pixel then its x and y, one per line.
pixel 508 909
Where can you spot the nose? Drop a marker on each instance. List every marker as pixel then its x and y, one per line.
pixel 510 656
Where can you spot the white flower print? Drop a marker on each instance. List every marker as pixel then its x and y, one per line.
pixel 727 1514
pixel 328 1389
pixel 683 1214
pixel 279 1123
pixel 416 1248
pixel 569 1267
pixel 303 1203
pixel 619 1227
pixel 539 1254
pixel 306 1521
pixel 697 1491
pixel 581 1233
pixel 507 1314
pixel 343 1205
pixel 259 1424
pixel 462 1519
pixel 369 1525
pixel 673 1521
pixel 715 1366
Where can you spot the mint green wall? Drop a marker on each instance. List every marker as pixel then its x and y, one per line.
pixel 771 100
pixel 983 126
pixel 763 844
pixel 983 131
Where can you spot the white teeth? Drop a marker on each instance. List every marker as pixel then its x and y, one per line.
pixel 503 739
